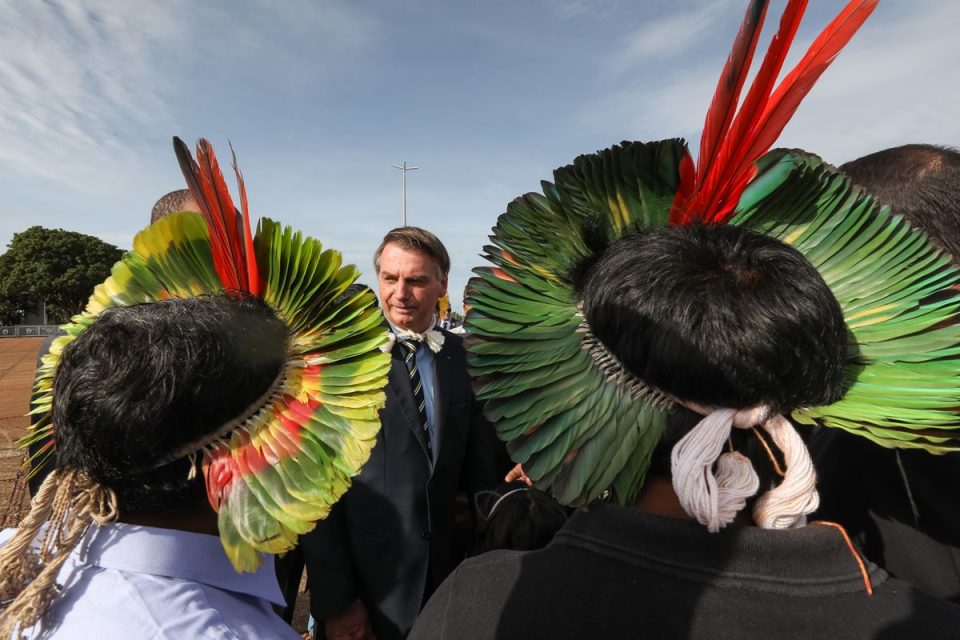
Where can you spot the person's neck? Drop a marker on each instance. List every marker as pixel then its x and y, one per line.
pixel 658 497
pixel 397 329
pixel 194 521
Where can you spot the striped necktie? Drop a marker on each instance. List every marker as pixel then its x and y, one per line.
pixel 409 357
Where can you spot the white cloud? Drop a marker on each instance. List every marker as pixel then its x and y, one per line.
pixel 897 82
pixel 580 9
pixel 894 83
pixel 87 87
pixel 74 79
pixel 666 36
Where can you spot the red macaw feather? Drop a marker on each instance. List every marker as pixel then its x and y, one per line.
pixel 734 172
pixel 253 273
pixel 219 473
pixel 724 104
pixel 686 187
pixel 732 145
pixel 230 237
pixel 784 102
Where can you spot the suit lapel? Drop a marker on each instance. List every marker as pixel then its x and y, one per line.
pixel 442 392
pixel 399 383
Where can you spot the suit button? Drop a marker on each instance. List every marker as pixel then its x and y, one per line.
pixel 425 535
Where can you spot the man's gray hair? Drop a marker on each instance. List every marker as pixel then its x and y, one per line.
pixel 416 239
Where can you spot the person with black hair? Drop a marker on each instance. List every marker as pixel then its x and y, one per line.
pixel 920 182
pixel 653 330
pixel 118 418
pixel 901 506
pixel 742 328
pixel 206 388
pixel 518 517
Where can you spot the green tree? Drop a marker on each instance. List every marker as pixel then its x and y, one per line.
pixel 54 266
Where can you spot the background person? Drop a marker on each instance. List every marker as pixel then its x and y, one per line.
pixel 152 564
pixel 519 517
pixel 901 506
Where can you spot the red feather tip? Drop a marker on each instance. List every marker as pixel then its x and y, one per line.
pixel 733 139
pixel 230 237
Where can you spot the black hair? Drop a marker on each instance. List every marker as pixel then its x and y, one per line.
pixel 718 315
pixel 920 182
pixel 519 517
pixel 146 380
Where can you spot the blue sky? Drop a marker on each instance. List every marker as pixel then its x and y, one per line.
pixel 320 97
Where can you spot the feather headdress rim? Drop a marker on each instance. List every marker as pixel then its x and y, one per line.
pixel 325 399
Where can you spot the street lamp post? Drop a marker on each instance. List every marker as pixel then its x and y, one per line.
pixel 404 168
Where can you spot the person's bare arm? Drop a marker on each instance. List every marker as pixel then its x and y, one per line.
pixel 517 474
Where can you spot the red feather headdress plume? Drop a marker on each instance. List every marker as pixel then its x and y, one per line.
pixel 733 139
pixel 230 236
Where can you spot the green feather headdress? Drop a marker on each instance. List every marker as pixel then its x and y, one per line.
pixel 279 467
pixel 582 426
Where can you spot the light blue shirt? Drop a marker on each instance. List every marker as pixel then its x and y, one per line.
pixel 127 581
pixel 427 366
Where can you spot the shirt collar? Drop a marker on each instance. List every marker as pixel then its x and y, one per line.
pixel 433 337
pixel 174 554
pixel 813 554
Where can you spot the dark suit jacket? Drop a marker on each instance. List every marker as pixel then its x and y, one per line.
pixel 901 507
pixel 391 539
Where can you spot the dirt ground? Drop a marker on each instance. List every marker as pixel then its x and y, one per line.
pixel 17 364
pixel 18 358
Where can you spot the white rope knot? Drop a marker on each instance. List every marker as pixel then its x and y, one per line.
pixel 387 346
pixel 788 504
pixel 714 497
pixel 431 337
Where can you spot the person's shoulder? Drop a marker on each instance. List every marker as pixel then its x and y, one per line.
pixel 449 334
pixel 497 557
pixel 452 340
pixel 492 569
pixel 919 615
pixel 473 595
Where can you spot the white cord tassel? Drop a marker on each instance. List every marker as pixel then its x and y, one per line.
pixel 788 504
pixel 714 499
pixel 737 481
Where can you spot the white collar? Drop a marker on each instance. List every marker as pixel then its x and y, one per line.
pixel 431 337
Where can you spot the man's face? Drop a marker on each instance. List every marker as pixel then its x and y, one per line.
pixel 410 286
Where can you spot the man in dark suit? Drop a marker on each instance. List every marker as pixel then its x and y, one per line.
pixel 392 538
